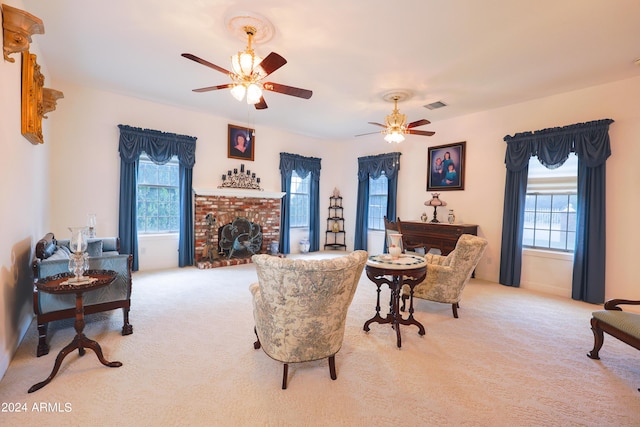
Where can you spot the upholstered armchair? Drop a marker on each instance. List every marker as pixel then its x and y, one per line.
pixel 300 306
pixel 448 275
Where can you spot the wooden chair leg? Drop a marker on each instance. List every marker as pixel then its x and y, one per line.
pixel 455 307
pixel 332 367
pixel 284 376
pixel 598 339
pixel 256 344
pixel 127 328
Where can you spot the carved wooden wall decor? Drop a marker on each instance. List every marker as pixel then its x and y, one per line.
pixel 17 28
pixel 32 99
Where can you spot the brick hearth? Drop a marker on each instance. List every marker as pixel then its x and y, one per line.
pixel 226 205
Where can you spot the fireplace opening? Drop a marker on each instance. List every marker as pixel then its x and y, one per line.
pixel 241 238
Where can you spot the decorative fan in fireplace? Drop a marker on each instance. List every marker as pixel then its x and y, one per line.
pixel 241 239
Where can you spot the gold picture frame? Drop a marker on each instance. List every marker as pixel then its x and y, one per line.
pixel 32 99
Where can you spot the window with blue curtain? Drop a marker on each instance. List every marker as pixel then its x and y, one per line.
pixel 372 167
pixel 303 167
pixel 590 142
pixel 160 147
pixel 378 197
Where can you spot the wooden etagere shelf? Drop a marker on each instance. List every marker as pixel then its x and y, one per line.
pixel 335 235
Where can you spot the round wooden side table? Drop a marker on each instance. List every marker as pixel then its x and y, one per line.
pixel 406 270
pixel 60 284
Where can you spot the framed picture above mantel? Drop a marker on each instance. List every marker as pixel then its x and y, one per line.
pixel 446 164
pixel 241 143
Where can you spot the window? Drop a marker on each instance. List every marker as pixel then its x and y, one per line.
pixel 299 201
pixel 158 197
pixel 550 206
pixel 378 189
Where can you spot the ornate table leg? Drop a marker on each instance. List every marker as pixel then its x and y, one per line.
pixel 395 309
pixel 377 317
pixel 80 341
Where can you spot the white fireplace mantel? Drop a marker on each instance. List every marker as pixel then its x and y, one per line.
pixel 238 192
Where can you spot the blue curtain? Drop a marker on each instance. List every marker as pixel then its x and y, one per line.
pixel 160 147
pixel 303 166
pixel 373 167
pixel 590 142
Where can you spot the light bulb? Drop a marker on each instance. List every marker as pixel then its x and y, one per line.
pixel 254 93
pixel 238 92
pixel 243 63
pixel 394 137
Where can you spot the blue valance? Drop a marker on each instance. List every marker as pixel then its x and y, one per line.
pixel 373 166
pixel 159 146
pixel 590 142
pixel 302 165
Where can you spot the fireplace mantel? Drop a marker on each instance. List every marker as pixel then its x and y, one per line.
pixel 238 192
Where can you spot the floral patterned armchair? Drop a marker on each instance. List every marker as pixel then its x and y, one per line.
pixel 448 275
pixel 300 306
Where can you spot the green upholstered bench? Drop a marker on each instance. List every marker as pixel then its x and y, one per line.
pixel 620 324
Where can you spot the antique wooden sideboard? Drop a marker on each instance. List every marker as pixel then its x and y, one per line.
pixel 434 235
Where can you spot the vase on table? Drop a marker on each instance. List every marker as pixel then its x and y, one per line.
pixel 394 244
pixel 79 259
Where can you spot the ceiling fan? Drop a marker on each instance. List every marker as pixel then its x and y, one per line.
pixel 248 73
pixel 396 126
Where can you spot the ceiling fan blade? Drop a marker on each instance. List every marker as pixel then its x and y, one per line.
pixel 206 63
pixel 377 124
pixel 370 133
pixel 420 132
pixel 418 123
pixel 272 62
pixel 288 90
pixel 210 88
pixel 262 104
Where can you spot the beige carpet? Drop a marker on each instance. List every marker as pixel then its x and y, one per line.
pixel 513 358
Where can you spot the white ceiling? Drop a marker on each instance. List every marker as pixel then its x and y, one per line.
pixel 472 55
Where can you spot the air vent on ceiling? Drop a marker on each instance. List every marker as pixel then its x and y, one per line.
pixel 435 105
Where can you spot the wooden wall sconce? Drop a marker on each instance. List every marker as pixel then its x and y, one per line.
pixel 17 28
pixel 49 100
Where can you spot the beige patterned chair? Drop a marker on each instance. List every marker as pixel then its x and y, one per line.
pixel 448 275
pixel 300 306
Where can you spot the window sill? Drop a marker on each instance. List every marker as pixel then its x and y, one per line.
pixel 541 253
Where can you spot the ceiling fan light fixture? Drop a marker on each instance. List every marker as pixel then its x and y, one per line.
pixel 394 136
pixel 244 63
pixel 238 92
pixel 254 93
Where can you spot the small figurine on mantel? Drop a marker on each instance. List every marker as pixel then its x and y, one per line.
pixel 336 192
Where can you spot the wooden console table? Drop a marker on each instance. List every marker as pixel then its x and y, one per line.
pixel 434 235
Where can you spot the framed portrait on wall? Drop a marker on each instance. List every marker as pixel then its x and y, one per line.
pixel 241 143
pixel 446 165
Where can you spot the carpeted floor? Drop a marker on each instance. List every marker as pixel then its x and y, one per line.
pixel 513 358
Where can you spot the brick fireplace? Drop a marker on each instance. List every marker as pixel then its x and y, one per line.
pixel 225 205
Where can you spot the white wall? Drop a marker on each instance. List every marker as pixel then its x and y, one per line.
pixel 24 197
